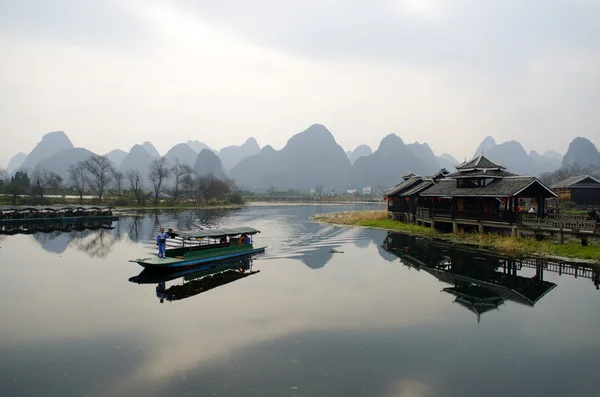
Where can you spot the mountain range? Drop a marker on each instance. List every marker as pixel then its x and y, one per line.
pixel 309 159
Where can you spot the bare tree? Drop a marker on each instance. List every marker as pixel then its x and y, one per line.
pixel 159 172
pixel 179 171
pixel 188 184
pixel 77 178
pixel 43 179
pixel 101 173
pixel 135 181
pixel 210 187
pixel 118 178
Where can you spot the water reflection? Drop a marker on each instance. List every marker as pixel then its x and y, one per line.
pixel 191 282
pixel 482 282
pixel 312 243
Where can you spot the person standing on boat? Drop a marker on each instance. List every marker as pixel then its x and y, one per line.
pixel 161 242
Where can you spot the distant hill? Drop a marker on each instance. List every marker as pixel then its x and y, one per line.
pixel 151 150
pixel 232 155
pixel 60 162
pixel 553 155
pixel 183 152
pixel 545 163
pixel 360 151
pixel 448 162
pixel 198 146
pixel 51 143
pixel 581 152
pixel 15 162
pixel 116 157
pixel 512 155
pixel 309 158
pixel 424 152
pixel 139 159
pixel 385 167
pixel 208 163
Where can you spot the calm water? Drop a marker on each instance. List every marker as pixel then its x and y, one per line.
pixel 386 316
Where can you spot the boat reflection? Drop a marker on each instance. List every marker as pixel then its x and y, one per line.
pixel 196 280
pixel 481 282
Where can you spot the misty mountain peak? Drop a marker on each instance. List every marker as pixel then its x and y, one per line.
pixel 51 143
pixel 390 141
pixel 151 149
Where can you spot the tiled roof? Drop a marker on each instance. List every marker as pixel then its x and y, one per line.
pixel 407 184
pixel 440 174
pixel 479 163
pixel 507 187
pixel 417 188
pixel 486 173
pixel 574 180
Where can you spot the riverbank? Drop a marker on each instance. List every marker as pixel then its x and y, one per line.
pixel 511 246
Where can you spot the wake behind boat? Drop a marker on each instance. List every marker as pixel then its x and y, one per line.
pixel 204 246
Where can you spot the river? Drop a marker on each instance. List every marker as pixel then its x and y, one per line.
pixel 332 311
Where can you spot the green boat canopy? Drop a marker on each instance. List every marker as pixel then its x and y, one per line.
pixel 215 233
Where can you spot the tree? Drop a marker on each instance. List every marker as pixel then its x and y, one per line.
pixel 101 173
pixel 179 171
pixel 210 187
pixel 190 186
pixel 4 180
pixel 118 178
pixel 77 178
pixel 135 181
pixel 18 185
pixel 43 179
pixel 159 172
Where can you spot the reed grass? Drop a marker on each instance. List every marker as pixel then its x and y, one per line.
pixel 508 245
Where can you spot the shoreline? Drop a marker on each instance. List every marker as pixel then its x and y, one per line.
pixel 518 247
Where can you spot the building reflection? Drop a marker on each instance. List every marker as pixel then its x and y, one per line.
pixel 481 282
pixel 190 282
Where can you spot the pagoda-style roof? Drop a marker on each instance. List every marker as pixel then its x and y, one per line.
pixel 417 188
pixel 485 173
pixel 404 185
pixel 409 176
pixel 589 181
pixel 443 173
pixel 479 163
pixel 523 186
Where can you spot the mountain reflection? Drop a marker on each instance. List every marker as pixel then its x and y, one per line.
pixel 481 282
pixel 196 280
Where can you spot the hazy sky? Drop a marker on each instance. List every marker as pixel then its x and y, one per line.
pixel 112 73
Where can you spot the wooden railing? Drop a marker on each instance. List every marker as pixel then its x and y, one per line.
pixel 423 213
pixel 569 222
pixel 503 216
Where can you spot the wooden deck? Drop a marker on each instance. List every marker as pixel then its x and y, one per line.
pixel 576 225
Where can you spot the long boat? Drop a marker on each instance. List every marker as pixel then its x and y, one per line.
pixel 193 248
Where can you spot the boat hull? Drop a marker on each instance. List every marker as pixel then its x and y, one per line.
pixel 176 263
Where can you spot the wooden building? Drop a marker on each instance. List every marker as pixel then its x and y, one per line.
pixel 403 199
pixel 583 191
pixel 481 193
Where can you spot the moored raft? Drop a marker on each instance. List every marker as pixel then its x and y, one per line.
pixel 55 214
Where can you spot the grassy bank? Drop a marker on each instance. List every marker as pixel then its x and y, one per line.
pixel 513 246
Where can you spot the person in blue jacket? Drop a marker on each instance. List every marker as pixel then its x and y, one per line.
pixel 161 242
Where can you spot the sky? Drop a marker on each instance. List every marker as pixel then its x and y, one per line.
pixel 113 73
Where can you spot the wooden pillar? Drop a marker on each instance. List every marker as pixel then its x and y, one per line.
pixel 432 223
pixel 481 228
pixel 561 238
pixel 541 202
pixel 515 231
pixel 454 227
